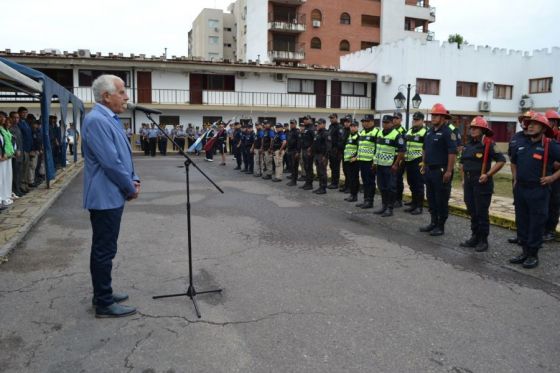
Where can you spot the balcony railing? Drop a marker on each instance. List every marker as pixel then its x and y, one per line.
pixel 221 98
pixel 294 24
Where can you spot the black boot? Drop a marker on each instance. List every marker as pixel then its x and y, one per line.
pixel 430 227
pixel 352 198
pixel 482 244
pixel 419 201
pixel 471 242
pixel 519 258
pixel 383 207
pixel 368 204
pixel 411 206
pixel 439 230
pixel 390 202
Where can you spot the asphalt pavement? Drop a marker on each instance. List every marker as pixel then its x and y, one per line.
pixel 310 284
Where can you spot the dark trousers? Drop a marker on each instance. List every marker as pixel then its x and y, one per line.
pixel 105 225
pixel 293 155
pixel 553 208
pixel 346 176
pixel 308 164
pixel 248 162
pixel 531 211
pixel 146 146
pixel 400 184
pixel 238 155
pixel 352 176
pixel 368 179
pixel 181 142
pixel 415 179
pixel 321 165
pixel 16 174
pixel 335 156
pixel 71 148
pixel 477 198
pixel 386 180
pixel 152 146
pixel 162 145
pixel 438 194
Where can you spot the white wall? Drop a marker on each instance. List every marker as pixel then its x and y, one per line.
pixel 257 30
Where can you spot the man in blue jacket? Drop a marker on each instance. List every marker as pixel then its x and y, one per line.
pixel 109 181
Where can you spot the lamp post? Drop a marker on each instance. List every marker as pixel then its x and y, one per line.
pixel 400 100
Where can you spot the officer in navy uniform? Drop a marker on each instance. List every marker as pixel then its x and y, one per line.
pixel 413 159
pixel 534 165
pixel 351 164
pixel 268 158
pixel 321 147
pixel 278 146
pixel 162 141
pixel 236 145
pixel 152 139
pixel 478 186
pixel 256 151
pixel 294 150
pixel 389 154
pixel 346 122
pixel 336 133
pixel 397 124
pixel 438 159
pixel 308 136
pixel 248 141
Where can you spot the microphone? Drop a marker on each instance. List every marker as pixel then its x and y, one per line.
pixel 131 106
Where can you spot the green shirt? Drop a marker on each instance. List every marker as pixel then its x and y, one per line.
pixel 8 144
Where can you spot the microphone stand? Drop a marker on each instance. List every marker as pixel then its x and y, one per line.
pixel 191 291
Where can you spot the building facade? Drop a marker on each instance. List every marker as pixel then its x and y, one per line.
pixel 469 81
pixel 214 32
pixel 317 32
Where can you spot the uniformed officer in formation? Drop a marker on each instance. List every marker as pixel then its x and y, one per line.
pixel 247 140
pixel 336 133
pixel 533 160
pixel 301 169
pixel 414 139
pixel 351 164
pixel 389 153
pixel 144 141
pixel 268 156
pixel 293 151
pixel 438 162
pixel 346 123
pixel 236 145
pixel 162 140
pixel 153 139
pixel 366 153
pixel 180 136
pixel 278 146
pixel 397 124
pixel 320 149
pixel 306 142
pixel 478 186
pixel 554 205
pixel 256 150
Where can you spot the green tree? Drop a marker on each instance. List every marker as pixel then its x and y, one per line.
pixel 457 38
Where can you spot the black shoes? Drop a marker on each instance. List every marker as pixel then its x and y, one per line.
pixel 114 310
pixel 367 205
pixel 549 236
pixel 351 199
pixel 437 231
pixel 416 211
pixel 388 212
pixel 276 180
pixel 292 183
pixel 513 240
pixel 518 259
pixel 482 246
pixel 531 262
pixel 332 186
pixel 320 190
pixel 237 168
pixel 307 187
pixel 267 177
pixel 428 228
pixel 411 207
pixel 471 242
pixel 257 175
pixel 117 298
pixel 380 210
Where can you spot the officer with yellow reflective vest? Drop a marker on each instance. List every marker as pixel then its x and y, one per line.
pixel 413 158
pixel 366 153
pixel 351 164
pixel 397 124
pixel 389 154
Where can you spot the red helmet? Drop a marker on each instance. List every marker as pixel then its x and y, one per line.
pixel 439 109
pixel 552 114
pixel 543 121
pixel 480 122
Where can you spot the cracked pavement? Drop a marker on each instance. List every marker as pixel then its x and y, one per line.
pixel 310 284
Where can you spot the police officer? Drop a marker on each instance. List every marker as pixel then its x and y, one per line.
pixel 397 124
pixel 534 165
pixel 256 151
pixel 162 140
pixel 278 146
pixel 438 162
pixel 321 147
pixel 554 205
pixel 366 153
pixel 413 157
pixel 236 144
pixel 268 157
pixel 294 149
pixel 476 172
pixel 351 164
pixel 248 141
pixel 180 135
pixel 144 142
pixel 308 136
pixel 389 153
pixel 152 139
pixel 336 133
pixel 346 122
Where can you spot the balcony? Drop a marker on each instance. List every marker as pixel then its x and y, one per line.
pixel 420 11
pixel 280 24
pixel 289 2
pixel 283 50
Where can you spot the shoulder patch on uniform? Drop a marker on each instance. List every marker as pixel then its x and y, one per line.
pixel 453 136
pixel 401 141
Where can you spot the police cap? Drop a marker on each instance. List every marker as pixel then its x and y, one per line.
pixel 418 116
pixel 354 123
pixel 368 117
pixel 279 125
pixel 397 114
pixel 321 121
pixel 333 115
pixel 387 118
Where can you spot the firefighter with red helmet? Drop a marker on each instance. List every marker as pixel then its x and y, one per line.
pixel 554 204
pixel 438 161
pixel 477 171
pixel 533 162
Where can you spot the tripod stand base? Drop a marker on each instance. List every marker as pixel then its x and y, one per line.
pixel 191 293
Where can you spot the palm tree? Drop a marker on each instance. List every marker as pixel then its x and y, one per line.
pixel 457 38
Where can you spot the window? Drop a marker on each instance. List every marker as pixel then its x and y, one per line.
pixel 228 29
pixel 344 46
pixel 213 40
pixel 353 89
pixel 315 43
pixel 345 19
pixel 64 77
pixel 227 45
pixel 368 44
pixel 370 21
pixel 212 23
pixel 218 82
pixel 301 86
pixel 540 85
pixel 316 15
pixel 86 77
pixel 503 92
pixel 427 86
pixel 467 89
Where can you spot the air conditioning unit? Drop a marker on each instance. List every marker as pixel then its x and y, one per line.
pixel 484 106
pixel 241 74
pixel 316 23
pixel 279 77
pixel 387 79
pixel 84 53
pixel 488 86
pixel 526 103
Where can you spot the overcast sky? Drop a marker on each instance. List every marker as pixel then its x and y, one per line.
pixel 147 26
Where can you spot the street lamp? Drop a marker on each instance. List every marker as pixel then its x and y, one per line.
pixel 400 101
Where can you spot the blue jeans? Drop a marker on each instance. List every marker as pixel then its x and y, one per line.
pixel 105 225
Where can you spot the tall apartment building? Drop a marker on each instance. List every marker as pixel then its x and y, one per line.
pixel 317 32
pixel 212 35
